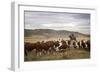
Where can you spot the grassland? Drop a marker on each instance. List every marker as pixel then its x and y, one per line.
pixel 34 39
pixel 68 54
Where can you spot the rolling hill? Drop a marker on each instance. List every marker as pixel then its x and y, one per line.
pixel 51 33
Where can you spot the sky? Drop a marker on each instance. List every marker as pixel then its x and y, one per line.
pixel 78 22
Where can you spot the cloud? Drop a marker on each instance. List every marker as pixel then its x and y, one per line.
pixel 79 22
pixel 58 25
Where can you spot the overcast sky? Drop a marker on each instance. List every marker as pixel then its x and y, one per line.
pixel 78 22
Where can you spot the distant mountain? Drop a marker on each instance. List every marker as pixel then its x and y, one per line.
pixel 51 33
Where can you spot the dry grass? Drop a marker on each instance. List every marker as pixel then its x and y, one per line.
pixel 69 54
pixel 34 39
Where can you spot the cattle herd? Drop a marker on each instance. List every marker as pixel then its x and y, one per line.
pixel 55 46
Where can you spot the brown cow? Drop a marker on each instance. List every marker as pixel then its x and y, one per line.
pixel 63 47
pixel 28 47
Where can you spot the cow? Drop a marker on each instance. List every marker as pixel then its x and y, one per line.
pixel 28 47
pixel 56 45
pixel 79 44
pixel 88 45
pixel 83 44
pixel 75 44
pixel 63 46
